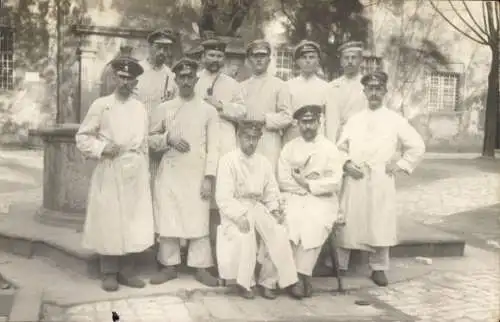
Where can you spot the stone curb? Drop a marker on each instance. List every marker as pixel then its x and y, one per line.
pixel 27 306
pixel 185 295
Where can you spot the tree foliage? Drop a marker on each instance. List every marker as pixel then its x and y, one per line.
pixel 31 33
pixel 328 22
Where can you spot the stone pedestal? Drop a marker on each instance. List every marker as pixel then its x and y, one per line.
pixel 66 178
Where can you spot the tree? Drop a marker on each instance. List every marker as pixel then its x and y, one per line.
pixel 485 31
pixel 328 22
pixel 195 19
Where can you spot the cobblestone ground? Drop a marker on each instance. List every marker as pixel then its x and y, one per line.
pixel 218 308
pixel 447 296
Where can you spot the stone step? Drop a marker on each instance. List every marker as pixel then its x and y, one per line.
pixel 22 234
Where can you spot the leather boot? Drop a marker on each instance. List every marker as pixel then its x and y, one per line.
pixel 297 290
pixel 379 278
pixel 244 293
pixel 109 283
pixel 165 274
pixel 130 280
pixel 267 293
pixel 204 277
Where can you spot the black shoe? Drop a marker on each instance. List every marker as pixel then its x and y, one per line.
pixel 109 283
pixel 164 275
pixel 244 293
pixel 267 293
pixel 130 281
pixel 205 278
pixel 297 290
pixel 379 278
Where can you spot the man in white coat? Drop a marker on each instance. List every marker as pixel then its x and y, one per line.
pixel 119 218
pixel 345 95
pixel 221 91
pixel 307 88
pixel 156 84
pixel 370 139
pixel 309 175
pixel 188 136
pixel 225 94
pixel 248 197
pixel 266 98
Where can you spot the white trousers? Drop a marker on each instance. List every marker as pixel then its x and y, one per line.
pixel 305 260
pixel 199 252
pixel 237 252
pixel 378 260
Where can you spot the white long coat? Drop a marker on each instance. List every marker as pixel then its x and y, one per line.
pixel 304 91
pixel 370 139
pixel 310 214
pixel 179 209
pixel 267 97
pixel 344 98
pixel 119 211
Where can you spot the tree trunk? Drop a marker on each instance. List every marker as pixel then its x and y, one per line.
pixel 491 113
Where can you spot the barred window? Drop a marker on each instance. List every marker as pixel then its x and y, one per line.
pixel 6 58
pixel 284 64
pixel 442 91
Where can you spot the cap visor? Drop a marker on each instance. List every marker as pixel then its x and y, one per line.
pixel 163 41
pixel 124 74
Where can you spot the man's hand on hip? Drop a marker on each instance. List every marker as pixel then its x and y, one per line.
pixel 393 168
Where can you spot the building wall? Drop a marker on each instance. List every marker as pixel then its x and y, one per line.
pixel 422 89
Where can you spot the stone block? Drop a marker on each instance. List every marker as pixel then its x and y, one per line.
pixel 27 306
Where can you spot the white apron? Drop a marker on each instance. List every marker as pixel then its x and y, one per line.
pixel 368 205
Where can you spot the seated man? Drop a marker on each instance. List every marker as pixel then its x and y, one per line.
pixel 309 175
pixel 248 198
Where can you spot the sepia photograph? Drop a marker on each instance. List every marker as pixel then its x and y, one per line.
pixel 249 161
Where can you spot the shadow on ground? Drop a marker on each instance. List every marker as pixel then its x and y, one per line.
pixel 479 227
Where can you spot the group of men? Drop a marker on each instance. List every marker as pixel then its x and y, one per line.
pixel 283 162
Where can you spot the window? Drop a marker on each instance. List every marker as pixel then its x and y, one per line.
pixel 6 58
pixel 442 91
pixel 285 67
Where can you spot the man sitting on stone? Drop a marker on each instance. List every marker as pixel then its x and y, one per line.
pixel 248 196
pixel 309 174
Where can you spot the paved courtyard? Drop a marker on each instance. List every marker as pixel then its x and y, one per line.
pixel 449 289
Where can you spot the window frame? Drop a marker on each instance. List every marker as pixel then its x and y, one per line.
pixel 443 95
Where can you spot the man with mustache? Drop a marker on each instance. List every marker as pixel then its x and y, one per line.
pixel 187 135
pixel 307 88
pixel 119 219
pixel 221 91
pixel 226 95
pixel 157 84
pixel 309 175
pixel 370 139
pixel 345 95
pixel 249 200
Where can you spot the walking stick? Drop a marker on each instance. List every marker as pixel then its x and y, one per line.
pixel 332 249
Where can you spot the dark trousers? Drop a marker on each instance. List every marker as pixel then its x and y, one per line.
pixel 214 223
pixel 124 264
